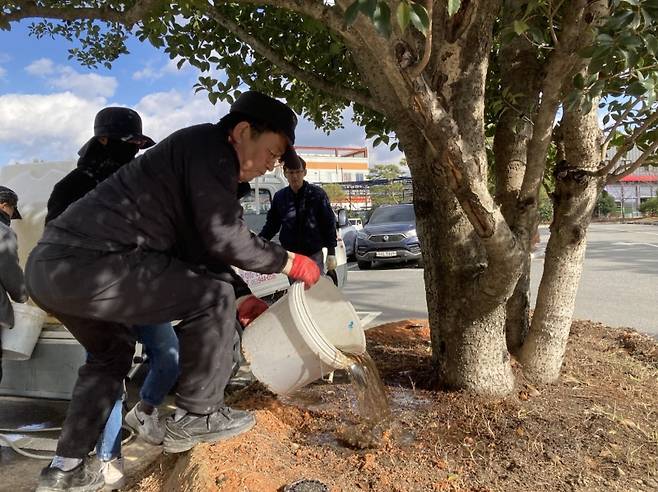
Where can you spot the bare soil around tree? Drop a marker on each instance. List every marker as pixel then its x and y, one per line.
pixel 596 429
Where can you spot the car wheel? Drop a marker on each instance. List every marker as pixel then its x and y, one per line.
pixel 364 265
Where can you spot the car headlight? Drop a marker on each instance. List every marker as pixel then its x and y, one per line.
pixel 361 235
pixel 411 233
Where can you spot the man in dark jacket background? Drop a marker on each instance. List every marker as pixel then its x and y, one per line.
pixel 302 215
pixel 12 283
pixel 152 243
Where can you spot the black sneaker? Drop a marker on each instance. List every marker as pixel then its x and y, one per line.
pixel 81 479
pixel 192 429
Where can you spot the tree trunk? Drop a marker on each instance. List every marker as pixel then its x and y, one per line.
pixel 521 77
pixel 468 338
pixel 574 200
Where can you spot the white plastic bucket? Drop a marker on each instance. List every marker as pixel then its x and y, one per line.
pixel 302 337
pixel 18 342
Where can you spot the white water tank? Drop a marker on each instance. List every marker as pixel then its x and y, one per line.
pixel 33 184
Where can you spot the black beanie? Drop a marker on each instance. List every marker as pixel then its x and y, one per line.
pixel 270 111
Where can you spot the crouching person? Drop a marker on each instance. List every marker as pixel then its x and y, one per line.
pixel 129 253
pixel 12 284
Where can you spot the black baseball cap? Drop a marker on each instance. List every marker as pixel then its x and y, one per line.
pixel 10 197
pixel 275 114
pixel 123 124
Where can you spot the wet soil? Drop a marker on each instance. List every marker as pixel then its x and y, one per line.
pixel 596 429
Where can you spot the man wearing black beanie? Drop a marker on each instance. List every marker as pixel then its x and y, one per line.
pixel 152 243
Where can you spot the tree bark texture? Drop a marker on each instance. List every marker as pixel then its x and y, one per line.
pixel 575 196
pixel 468 341
pixel 520 84
pixel 463 235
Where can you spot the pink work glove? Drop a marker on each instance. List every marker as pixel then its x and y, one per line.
pixel 304 269
pixel 250 309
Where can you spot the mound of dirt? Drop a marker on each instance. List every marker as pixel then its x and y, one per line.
pixel 596 429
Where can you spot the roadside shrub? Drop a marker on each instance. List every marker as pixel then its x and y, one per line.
pixel 649 207
pixel 605 204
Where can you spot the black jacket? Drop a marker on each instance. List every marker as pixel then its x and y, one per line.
pixel 94 167
pixel 305 218
pixel 179 198
pixel 11 275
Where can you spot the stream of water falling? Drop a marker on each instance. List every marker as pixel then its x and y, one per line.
pixel 372 404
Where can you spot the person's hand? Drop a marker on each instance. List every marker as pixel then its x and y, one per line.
pixel 303 268
pixel 249 308
pixel 331 263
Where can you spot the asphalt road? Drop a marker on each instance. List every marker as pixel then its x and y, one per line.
pixel 619 285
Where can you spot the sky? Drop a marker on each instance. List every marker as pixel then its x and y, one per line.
pixel 48 102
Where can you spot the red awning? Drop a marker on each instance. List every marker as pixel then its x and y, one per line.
pixel 645 178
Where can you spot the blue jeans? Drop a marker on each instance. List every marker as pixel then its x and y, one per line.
pixel 161 346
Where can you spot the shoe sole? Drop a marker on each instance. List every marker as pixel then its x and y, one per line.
pixel 180 445
pixel 85 488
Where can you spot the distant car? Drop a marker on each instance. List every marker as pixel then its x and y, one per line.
pixel 389 236
pixel 348 234
pixel 356 222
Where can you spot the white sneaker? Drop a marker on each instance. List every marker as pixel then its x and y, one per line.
pixel 112 472
pixel 148 427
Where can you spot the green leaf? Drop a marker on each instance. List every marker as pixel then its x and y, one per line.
pixel 419 18
pixel 453 7
pixel 652 43
pixel 538 36
pixel 351 13
pixel 636 89
pixel 382 19
pixel 579 81
pixel 605 39
pixel 404 15
pixel 520 27
pixel 368 7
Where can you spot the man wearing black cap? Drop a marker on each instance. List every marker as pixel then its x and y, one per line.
pixel 11 276
pixel 155 242
pixel 117 139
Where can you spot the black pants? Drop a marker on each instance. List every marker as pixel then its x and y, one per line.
pixel 98 295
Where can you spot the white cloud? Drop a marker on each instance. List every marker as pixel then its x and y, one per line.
pixel 150 72
pixel 146 73
pixel 64 78
pixel 41 67
pixel 53 127
pixel 165 112
pixel 45 127
pixel 3 72
pixel 88 85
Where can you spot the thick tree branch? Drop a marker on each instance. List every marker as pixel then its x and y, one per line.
pixel 639 161
pixel 560 66
pixel 277 60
